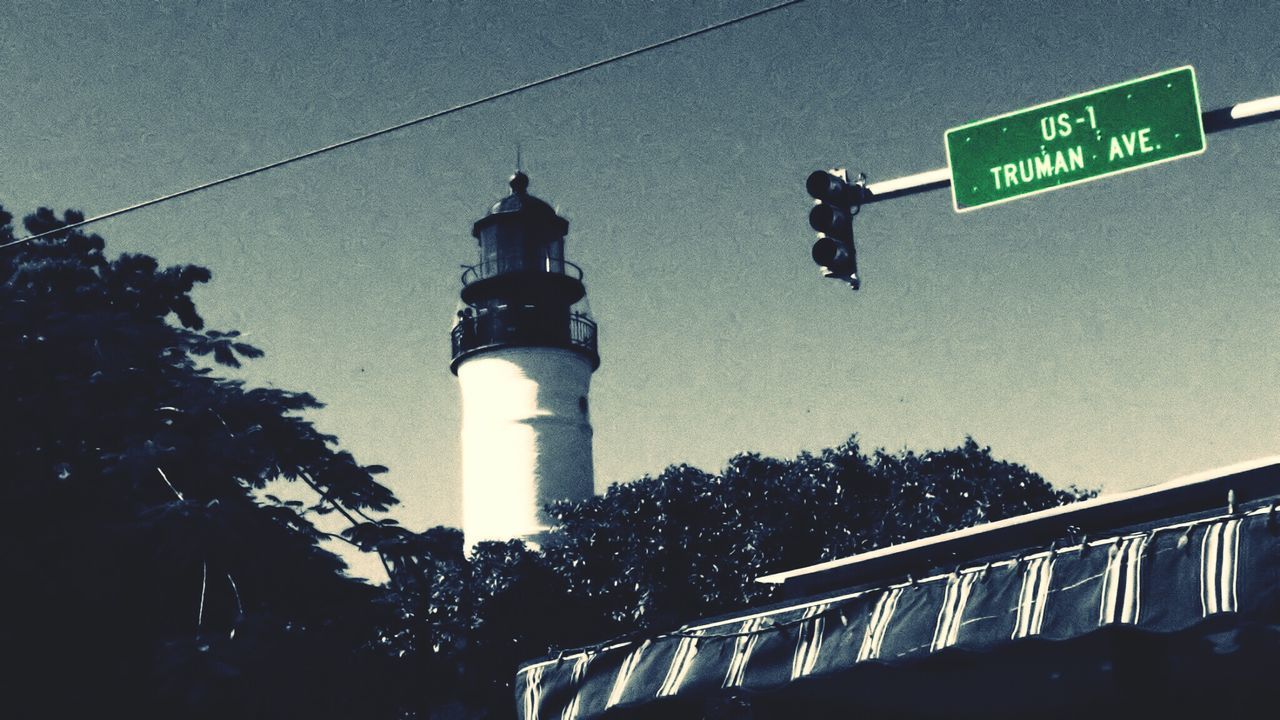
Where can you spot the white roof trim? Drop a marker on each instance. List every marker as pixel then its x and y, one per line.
pixel 1100 501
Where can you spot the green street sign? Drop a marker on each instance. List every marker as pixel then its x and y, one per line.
pixel 1084 137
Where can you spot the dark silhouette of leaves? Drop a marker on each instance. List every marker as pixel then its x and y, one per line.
pixel 149 580
pixel 155 577
pixel 663 550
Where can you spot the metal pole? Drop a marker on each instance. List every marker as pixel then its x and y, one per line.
pixel 1227 118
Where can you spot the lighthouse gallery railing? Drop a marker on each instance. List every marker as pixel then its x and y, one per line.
pixel 493 268
pixel 523 326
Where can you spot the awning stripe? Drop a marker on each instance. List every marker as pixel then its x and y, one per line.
pixel 951 614
pixel 1219 559
pixel 1232 601
pixel 1029 574
pixel 1231 561
pixel 966 587
pixel 1044 576
pixel 579 672
pixel 1034 596
pixel 809 640
pixel 1209 570
pixel 533 692
pixel 1110 585
pixel 873 641
pixel 1135 551
pixel 1121 583
pixel 680 664
pixel 743 645
pixel 945 611
pixel 624 674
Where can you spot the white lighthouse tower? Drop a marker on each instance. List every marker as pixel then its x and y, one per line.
pixel 524 356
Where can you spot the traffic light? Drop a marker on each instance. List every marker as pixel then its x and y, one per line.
pixel 832 217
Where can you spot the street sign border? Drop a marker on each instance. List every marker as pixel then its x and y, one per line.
pixel 1204 143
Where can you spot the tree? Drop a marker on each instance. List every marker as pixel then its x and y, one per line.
pixel 465 623
pixel 667 549
pixel 663 550
pixel 149 573
pixel 152 573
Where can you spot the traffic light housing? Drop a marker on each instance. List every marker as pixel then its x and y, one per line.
pixel 835 200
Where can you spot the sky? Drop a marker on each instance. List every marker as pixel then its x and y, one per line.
pixel 1109 335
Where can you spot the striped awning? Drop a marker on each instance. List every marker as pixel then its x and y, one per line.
pixel 1169 580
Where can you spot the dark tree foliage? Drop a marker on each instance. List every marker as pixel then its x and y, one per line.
pixel 151 573
pixel 660 551
pixel 663 550
pixel 146 573
pixel 466 623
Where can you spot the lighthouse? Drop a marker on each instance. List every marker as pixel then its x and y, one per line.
pixel 524 353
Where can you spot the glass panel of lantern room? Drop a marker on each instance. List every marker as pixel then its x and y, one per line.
pixel 502 250
pixel 512 252
pixel 531 250
pixel 488 253
pixel 555 254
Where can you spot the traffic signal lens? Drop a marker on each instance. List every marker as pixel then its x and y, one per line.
pixel 826 218
pixel 822 184
pixel 828 252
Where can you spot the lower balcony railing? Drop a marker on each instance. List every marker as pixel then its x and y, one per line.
pixel 525 327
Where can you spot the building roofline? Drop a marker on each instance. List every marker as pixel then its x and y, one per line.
pixel 1243 482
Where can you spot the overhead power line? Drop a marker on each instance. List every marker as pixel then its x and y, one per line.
pixel 407 123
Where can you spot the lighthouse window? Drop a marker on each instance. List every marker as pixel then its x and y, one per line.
pixel 489 253
pixel 555 255
pixel 582 404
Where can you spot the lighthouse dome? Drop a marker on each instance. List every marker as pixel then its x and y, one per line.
pixel 522 206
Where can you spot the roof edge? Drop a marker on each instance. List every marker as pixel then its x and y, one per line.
pixel 1119 509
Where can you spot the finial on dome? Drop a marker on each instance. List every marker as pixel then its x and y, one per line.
pixel 519 182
